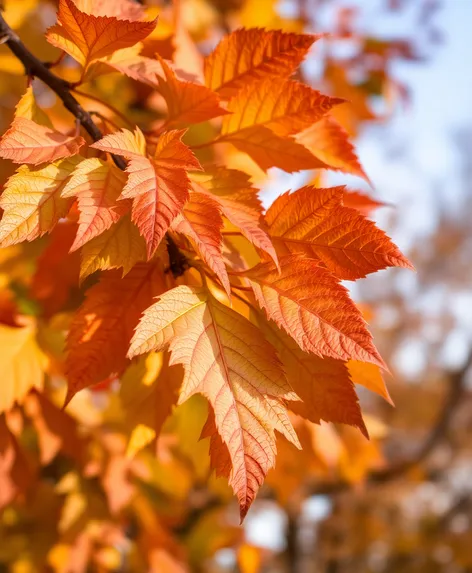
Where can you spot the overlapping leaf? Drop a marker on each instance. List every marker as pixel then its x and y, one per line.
pixel 159 186
pixel 28 142
pixel 285 107
pixel 187 102
pixel 32 201
pixel 307 302
pixel 227 360
pixel 101 330
pixel 250 54
pixel 201 222
pixel 97 186
pixel 88 37
pixel 315 223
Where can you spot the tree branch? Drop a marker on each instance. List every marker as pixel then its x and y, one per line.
pixel 36 68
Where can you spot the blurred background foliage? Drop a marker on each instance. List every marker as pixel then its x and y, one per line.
pixel 72 500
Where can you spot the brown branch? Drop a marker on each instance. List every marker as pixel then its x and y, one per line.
pixel 36 68
pixel 438 432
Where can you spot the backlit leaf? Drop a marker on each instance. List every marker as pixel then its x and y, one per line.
pixel 315 223
pixel 158 186
pixel 285 107
pixel 32 201
pixel 88 37
pixel 97 186
pixel 247 55
pixel 101 329
pixel 29 142
pixel 228 361
pixel 187 102
pixel 201 222
pixel 314 309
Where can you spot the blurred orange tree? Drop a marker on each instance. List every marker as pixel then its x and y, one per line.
pixel 131 225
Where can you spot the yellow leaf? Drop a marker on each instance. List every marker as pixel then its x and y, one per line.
pixel 22 365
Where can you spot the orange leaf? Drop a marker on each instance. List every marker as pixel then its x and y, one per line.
pixel 88 37
pixel 270 150
pixel 32 201
pixel 240 204
pixel 29 142
pixel 201 222
pixel 121 246
pixel 314 222
pixel 187 102
pixel 247 55
pixel 159 186
pixel 97 186
pixel 285 107
pixel 228 361
pixel 323 384
pixel 361 202
pixel 103 325
pixel 329 142
pixel 369 376
pixel 314 309
pixel 124 9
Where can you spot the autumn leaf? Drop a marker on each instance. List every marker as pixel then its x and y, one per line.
pixel 369 376
pixel 202 223
pixel 314 222
pixel 23 363
pixel 88 37
pixel 159 186
pixel 121 246
pixel 361 202
pixel 32 201
pixel 29 109
pixel 28 142
pixel 270 150
pixel 149 389
pixel 123 9
pixel 285 107
pixel 101 329
pixel 97 186
pixel 240 204
pixel 323 384
pixel 187 102
pixel 313 308
pixel 228 361
pixel 329 142
pixel 247 55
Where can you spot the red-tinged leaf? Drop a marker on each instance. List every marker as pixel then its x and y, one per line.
pixel 323 384
pixel 131 64
pixel 330 143
pixel 362 202
pixel 202 223
pixel 248 55
pixel 57 270
pixel 102 328
pixel 32 201
pixel 88 37
pixel 121 246
pixel 314 309
pixel 228 361
pixel 270 150
pixel 123 9
pixel 187 102
pixel 97 186
pixel 285 107
pixel 315 223
pixel 240 204
pixel 29 142
pixel 159 186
